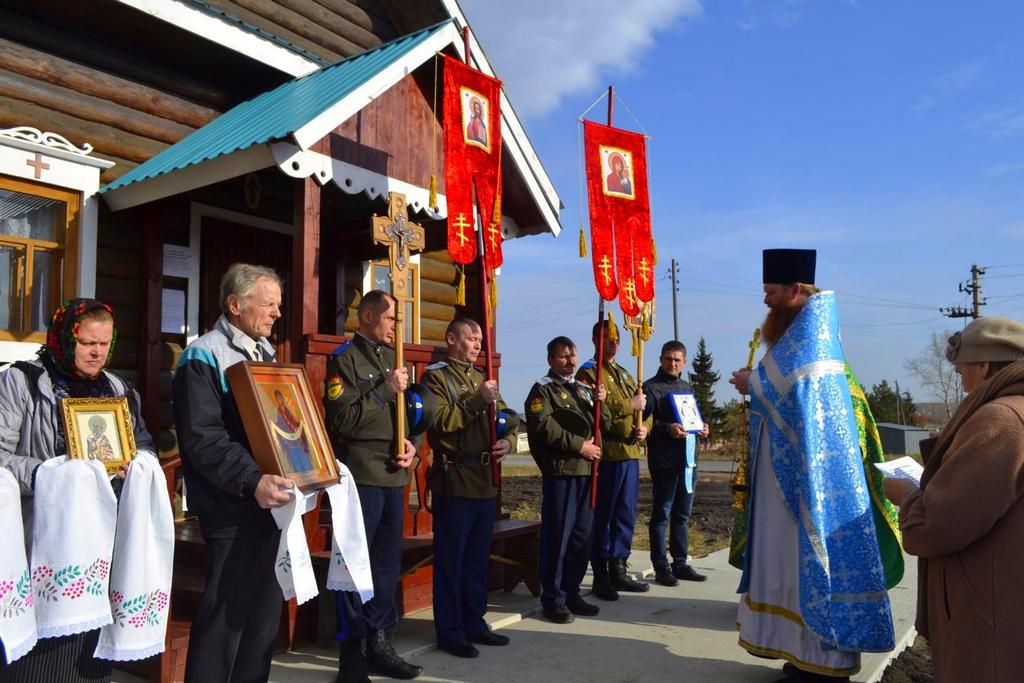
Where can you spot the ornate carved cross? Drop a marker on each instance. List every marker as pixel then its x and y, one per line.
pixel 402 236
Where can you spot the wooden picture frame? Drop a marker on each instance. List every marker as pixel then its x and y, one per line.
pixel 687 413
pixel 282 420
pixel 99 429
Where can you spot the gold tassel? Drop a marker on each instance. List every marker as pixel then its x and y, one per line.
pixel 496 210
pixel 654 251
pixel 494 297
pixel 432 199
pixel 635 333
pixel 583 243
pixel 613 329
pixel 460 291
pixel 645 326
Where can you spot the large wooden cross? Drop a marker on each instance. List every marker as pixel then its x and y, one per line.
pixel 635 325
pixel 401 236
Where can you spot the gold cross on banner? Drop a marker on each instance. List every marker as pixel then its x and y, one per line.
pixel 645 270
pixel 605 267
pixel 461 223
pixel 630 289
pixel 401 237
pixel 493 232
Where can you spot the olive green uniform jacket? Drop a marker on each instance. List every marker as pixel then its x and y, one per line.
pixel 360 412
pixel 556 449
pixel 617 442
pixel 461 432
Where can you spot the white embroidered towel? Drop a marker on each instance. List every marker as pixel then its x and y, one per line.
pixel 74 512
pixel 140 575
pixel 293 565
pixel 350 559
pixel 17 617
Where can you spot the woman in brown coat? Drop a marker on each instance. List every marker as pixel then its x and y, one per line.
pixel 966 521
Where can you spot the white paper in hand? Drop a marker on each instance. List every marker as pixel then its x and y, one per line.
pixel 902 468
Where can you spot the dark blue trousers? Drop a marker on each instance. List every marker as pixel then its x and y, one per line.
pixel 463 528
pixel 383 510
pixel 565 521
pixel 618 484
pixel 671 507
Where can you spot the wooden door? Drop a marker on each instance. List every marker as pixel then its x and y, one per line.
pixel 224 243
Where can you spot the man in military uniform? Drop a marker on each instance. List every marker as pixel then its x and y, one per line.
pixel 559 426
pixel 462 491
pixel 618 476
pixel 360 390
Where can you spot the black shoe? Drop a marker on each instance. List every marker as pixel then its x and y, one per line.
pixel 581 607
pixel 460 648
pixel 351 662
pixel 602 583
pixel 666 578
pixel 488 638
pixel 622 581
pixel 384 661
pixel 559 615
pixel 688 573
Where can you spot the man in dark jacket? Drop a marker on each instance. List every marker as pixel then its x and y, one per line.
pixel 233 631
pixel 672 461
pixel 360 390
pixel 463 492
pixel 560 426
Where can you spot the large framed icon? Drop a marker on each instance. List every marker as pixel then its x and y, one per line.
pixel 280 416
pixel 99 429
pixel 687 412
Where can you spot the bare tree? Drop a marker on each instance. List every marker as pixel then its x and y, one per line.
pixel 936 374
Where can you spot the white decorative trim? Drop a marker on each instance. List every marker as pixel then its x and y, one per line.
pixel 226 33
pixel 30 134
pixel 352 179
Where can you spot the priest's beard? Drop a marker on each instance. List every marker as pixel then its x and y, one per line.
pixel 779 319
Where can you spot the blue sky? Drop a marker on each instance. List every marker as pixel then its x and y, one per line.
pixel 888 136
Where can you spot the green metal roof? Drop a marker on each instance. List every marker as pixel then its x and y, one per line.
pixel 278 113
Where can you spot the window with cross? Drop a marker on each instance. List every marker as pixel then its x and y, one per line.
pixel 38 226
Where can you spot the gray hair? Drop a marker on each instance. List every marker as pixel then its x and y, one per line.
pixel 240 280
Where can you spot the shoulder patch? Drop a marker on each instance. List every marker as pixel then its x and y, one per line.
pixel 536 405
pixel 340 348
pixel 588 365
pixel 334 387
pixel 544 381
pixel 438 365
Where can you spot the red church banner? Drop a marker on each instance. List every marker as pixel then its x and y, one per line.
pixel 620 215
pixel 472 155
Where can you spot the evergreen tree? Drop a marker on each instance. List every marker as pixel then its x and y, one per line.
pixel 882 401
pixel 703 380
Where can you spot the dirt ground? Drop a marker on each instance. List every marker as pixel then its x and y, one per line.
pixel 710 524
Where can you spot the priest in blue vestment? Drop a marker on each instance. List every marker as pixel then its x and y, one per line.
pixel 813 590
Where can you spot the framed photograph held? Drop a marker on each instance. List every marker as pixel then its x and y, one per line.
pixel 281 419
pixel 99 429
pixel 687 413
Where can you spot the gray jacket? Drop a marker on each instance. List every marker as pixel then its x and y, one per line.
pixel 29 421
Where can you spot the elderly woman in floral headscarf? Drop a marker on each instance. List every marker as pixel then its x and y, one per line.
pixel 79 343
pixel 966 520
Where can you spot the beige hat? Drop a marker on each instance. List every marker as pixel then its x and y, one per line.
pixel 987 340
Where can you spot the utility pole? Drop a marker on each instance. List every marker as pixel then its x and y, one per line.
pixel 674 272
pixel 974 289
pixel 899 411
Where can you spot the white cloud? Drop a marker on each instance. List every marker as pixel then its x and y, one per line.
pixel 1004 122
pixel 950 83
pixel 545 50
pixel 776 13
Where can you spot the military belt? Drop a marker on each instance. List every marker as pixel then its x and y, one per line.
pixel 457 458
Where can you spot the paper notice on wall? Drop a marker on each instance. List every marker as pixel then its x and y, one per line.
pixel 902 468
pixel 172 315
pixel 177 261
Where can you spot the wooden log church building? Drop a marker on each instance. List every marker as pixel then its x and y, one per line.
pixel 147 144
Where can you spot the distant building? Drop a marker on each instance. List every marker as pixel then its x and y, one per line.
pixel 901 439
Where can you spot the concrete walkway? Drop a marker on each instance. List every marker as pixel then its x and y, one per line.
pixel 669 634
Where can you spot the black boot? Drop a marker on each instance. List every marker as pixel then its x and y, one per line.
pixel 384 661
pixel 351 662
pixel 624 582
pixel 602 583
